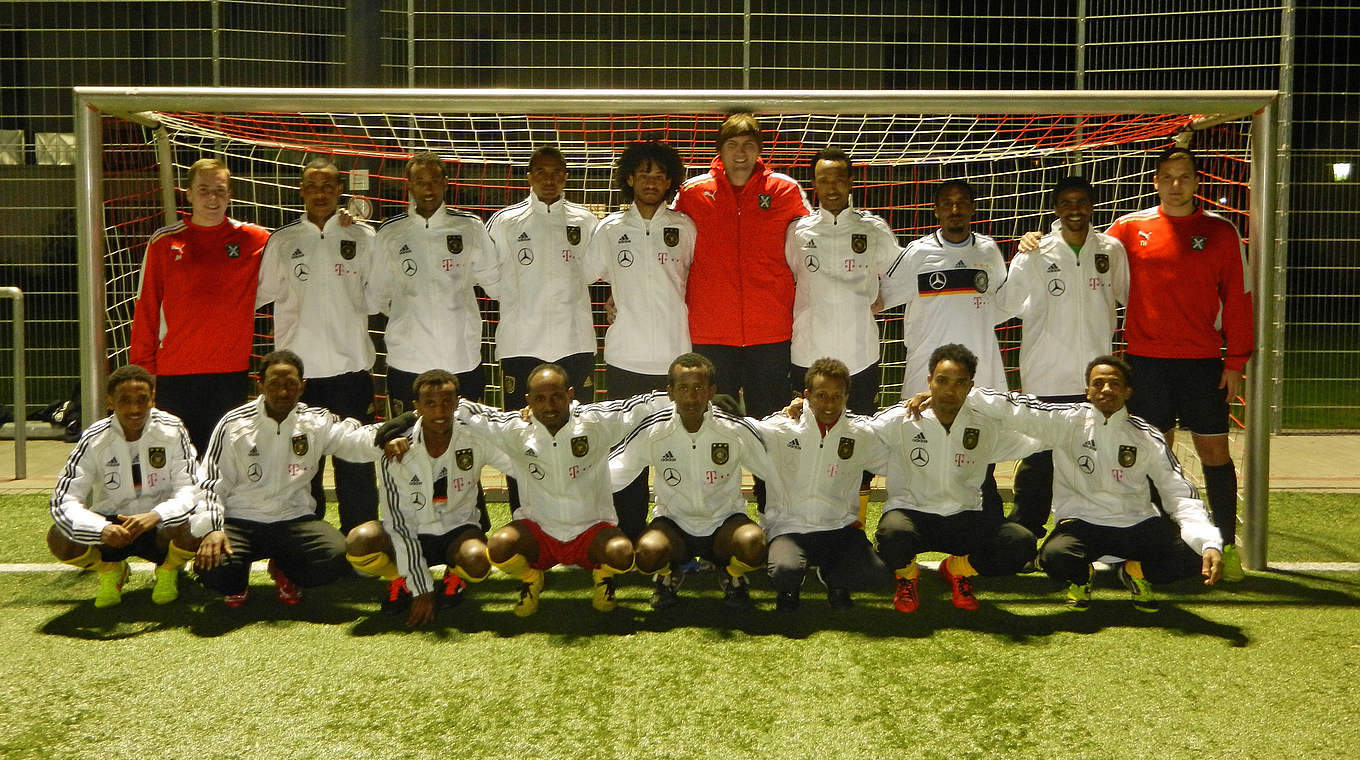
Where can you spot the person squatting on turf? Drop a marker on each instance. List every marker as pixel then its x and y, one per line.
pixel 935 474
pixel 560 456
pixel 1103 461
pixel 257 482
pixel 316 271
pixel 430 512
pixel 812 517
pixel 697 452
pixel 1065 292
pixel 127 490
pixel 644 252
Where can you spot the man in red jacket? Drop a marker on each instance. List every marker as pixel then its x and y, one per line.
pixel 740 290
pixel 1189 327
pixel 193 321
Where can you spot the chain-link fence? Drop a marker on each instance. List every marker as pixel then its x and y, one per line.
pixel 1302 49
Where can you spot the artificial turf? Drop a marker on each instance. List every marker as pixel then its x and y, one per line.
pixel 1263 669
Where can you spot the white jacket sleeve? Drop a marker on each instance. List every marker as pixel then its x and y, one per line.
pixel 74 487
pixel 1181 501
pixel 401 528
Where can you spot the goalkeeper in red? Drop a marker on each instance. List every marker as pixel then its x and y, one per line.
pixel 1188 299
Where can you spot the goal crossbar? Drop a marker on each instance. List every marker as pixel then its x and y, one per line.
pixel 140 104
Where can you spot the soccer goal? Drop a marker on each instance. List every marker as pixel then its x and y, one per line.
pixel 1012 146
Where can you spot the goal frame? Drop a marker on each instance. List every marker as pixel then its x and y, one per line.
pixel 140 104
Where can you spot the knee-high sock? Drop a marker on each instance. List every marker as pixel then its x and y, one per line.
pixel 1220 486
pixel 175 557
pixel 91 559
pixel 377 564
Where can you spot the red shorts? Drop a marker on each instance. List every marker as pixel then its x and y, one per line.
pixel 552 552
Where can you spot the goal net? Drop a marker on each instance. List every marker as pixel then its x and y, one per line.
pixel 1012 160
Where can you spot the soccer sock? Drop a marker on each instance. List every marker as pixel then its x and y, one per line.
pixel 960 566
pixel 1134 568
pixel 1220 485
pixel 516 567
pixel 910 572
pixel 91 560
pixel 175 557
pixel 736 568
pixel 465 575
pixel 377 564
pixel 607 570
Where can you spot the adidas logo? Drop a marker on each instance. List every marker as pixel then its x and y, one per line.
pixel 523 236
pixel 415 480
pixel 254 452
pixel 668 457
pixel 920 438
pixel 1089 445
pixel 530 453
pixel 1053 268
pixel 405 250
pixel 960 265
pixel 624 238
pixel 794 444
pixel 112 462
pixel 297 253
pixel 811 244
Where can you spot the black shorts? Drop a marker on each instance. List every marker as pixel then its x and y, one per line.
pixel 695 546
pixel 1184 391
pixel 436 548
pixel 144 546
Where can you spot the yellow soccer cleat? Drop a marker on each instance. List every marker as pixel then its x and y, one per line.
pixel 166 589
pixel 111 585
pixel 529 592
pixel 1232 564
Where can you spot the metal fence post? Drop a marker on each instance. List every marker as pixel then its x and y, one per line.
pixel 20 378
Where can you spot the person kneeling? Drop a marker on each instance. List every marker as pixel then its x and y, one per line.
pixel 127 490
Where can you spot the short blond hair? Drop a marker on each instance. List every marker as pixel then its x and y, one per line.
pixel 207 165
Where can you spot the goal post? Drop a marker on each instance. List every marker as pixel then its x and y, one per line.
pixel 909 137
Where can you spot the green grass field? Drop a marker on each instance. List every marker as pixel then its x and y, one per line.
pixel 1262 669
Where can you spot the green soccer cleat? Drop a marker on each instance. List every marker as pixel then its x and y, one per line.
pixel 1232 564
pixel 111 586
pixel 1078 597
pixel 529 591
pixel 166 589
pixel 1140 591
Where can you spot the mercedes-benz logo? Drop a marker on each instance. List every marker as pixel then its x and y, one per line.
pixel 1056 287
pixel 671 477
pixel 418 499
pixel 535 471
pixel 301 272
pixel 812 263
pixel 408 266
pixel 625 258
pixel 919 457
pixel 1087 465
pixel 937 280
pixel 526 256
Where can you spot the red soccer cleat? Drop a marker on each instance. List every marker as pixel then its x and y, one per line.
pixel 961 587
pixel 906 599
pixel 289 593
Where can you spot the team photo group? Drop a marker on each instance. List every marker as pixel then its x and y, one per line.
pixel 742 338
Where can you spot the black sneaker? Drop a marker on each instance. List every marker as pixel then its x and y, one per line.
pixel 665 592
pixel 787 601
pixel 839 598
pixel 736 591
pixel 449 591
pixel 397 599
